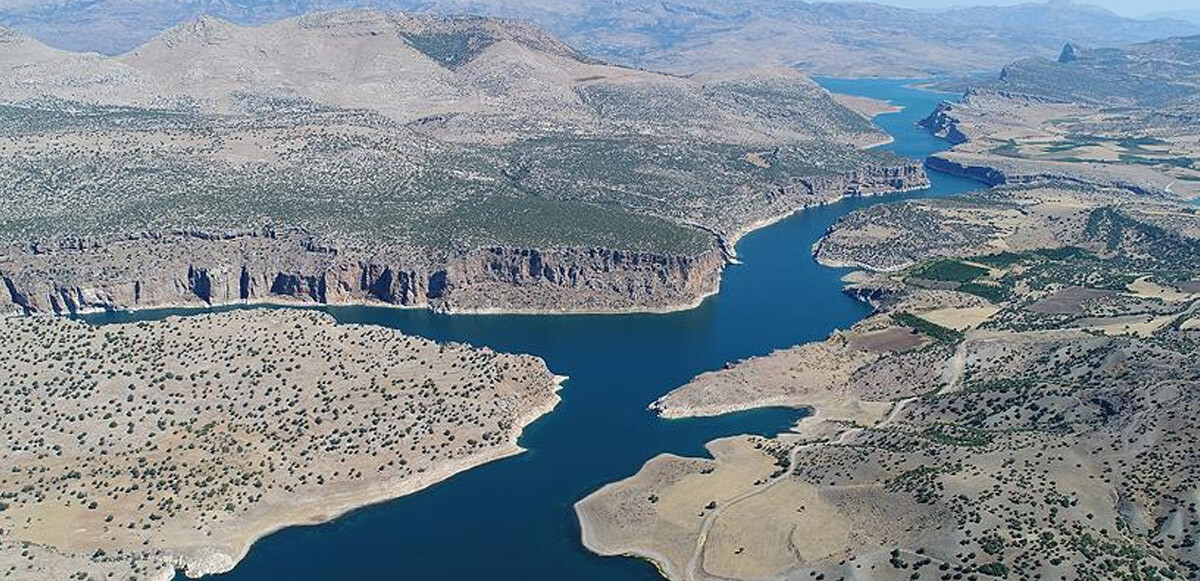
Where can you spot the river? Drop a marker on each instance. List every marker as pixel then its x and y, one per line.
pixel 513 519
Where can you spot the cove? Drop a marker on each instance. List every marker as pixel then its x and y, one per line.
pixel 513 519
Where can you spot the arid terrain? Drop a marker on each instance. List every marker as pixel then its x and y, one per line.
pixel 133 450
pixel 459 163
pixel 1022 409
pixel 682 36
pixel 1127 117
pixel 453 163
pixel 1021 403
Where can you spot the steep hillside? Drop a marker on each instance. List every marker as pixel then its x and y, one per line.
pixel 454 162
pixel 682 35
pixel 1157 73
pixel 474 79
pixel 30 69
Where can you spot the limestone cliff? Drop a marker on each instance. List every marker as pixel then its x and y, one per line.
pixel 941 122
pixel 196 268
pixel 996 170
pixel 870 180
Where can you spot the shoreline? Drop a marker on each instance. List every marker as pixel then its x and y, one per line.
pixel 726 242
pixel 587 535
pixel 736 236
pixel 216 562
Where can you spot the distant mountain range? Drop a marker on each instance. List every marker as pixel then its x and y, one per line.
pixel 1192 15
pixel 429 133
pixel 1158 73
pixel 463 78
pixel 671 35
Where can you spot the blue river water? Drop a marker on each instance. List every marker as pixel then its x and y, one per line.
pixel 513 519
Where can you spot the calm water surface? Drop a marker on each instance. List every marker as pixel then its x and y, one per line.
pixel 513 519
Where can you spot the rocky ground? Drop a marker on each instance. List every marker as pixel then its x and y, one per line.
pixel 484 162
pixel 1007 413
pixel 132 450
pixel 1126 117
pixel 1020 405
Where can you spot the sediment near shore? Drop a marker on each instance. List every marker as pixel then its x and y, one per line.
pixel 240 435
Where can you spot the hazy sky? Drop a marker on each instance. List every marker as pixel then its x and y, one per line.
pixel 1133 8
pixel 1125 7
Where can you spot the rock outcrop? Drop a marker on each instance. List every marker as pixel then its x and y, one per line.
pixel 203 268
pixel 871 180
pixel 995 170
pixel 189 268
pixel 943 124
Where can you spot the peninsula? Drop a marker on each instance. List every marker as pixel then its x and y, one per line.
pixel 1021 404
pixel 137 449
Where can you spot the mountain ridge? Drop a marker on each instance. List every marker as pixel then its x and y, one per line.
pixel 481 160
pixel 678 36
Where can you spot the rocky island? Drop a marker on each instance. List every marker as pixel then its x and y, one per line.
pixel 134 450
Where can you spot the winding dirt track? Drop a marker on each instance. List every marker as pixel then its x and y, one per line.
pixel 694 570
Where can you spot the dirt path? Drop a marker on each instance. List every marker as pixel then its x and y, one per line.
pixel 956 365
pixel 695 564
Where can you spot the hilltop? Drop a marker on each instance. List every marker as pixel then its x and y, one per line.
pixel 455 162
pixel 1158 73
pixel 454 74
pixel 829 38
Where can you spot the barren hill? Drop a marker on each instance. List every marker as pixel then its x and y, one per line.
pixel 458 162
pixel 834 38
pixel 31 69
pixel 1155 73
pixel 465 78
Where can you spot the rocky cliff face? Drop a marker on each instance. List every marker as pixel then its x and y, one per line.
pixel 185 268
pixel 983 173
pixel 870 180
pixel 941 122
pixel 175 268
pixel 995 170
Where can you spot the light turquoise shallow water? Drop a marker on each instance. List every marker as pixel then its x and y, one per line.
pixel 513 519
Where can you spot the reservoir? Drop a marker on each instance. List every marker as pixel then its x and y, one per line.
pixel 513 519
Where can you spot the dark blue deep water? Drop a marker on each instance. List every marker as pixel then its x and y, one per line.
pixel 513 519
